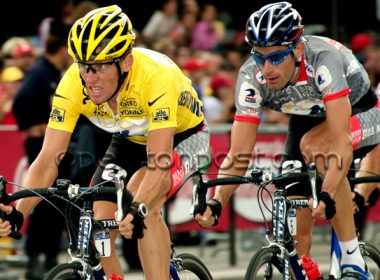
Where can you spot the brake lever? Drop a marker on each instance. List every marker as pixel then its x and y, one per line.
pixel 312 172
pixel 198 199
pixel 117 175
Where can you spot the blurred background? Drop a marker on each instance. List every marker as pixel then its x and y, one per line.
pixel 341 18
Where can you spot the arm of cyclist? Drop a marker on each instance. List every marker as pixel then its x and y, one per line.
pixel 155 183
pixel 11 220
pixel 339 151
pixel 365 195
pixel 243 140
pixel 42 172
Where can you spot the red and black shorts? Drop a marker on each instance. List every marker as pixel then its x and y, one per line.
pixel 364 129
pixel 189 154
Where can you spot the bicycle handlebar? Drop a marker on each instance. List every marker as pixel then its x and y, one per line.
pixel 257 177
pixel 65 189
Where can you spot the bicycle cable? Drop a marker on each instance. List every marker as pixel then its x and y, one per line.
pixel 70 205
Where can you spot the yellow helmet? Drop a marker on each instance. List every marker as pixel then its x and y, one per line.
pixel 102 34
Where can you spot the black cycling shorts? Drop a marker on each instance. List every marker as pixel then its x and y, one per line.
pixel 190 152
pixel 299 125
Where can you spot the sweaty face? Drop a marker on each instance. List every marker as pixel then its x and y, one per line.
pixel 276 63
pixel 101 79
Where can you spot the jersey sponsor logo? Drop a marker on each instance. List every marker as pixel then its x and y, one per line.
pixel 129 108
pixel 154 101
pixel 129 102
pixel 57 114
pixel 309 69
pixel 60 96
pixel 323 77
pixel 260 78
pixel 131 112
pixel 249 95
pixel 250 98
pixel 303 107
pixel 100 111
pixel 188 101
pixel 161 114
pixel 251 112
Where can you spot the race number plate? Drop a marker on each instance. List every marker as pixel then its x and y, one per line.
pixel 292 221
pixel 103 243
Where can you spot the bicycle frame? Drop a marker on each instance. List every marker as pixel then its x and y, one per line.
pixel 281 239
pixel 335 253
pixel 85 247
pixel 335 256
pixel 86 262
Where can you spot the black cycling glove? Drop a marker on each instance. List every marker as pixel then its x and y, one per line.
pixel 15 218
pixel 373 197
pixel 359 201
pixel 216 210
pixel 330 205
pixel 138 221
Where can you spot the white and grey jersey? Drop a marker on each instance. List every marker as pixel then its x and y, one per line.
pixel 328 70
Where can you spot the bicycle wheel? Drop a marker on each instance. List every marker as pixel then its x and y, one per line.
pixel 372 258
pixel 65 271
pixel 192 268
pixel 265 264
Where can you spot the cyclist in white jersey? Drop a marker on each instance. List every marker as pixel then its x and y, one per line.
pixel 333 115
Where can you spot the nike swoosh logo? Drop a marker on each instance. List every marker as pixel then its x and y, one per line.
pixel 291 185
pixel 351 252
pixel 154 101
pixel 57 95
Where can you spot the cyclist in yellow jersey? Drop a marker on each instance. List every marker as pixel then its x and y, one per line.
pixel 159 131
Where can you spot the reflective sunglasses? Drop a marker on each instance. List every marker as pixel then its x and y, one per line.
pixel 99 67
pixel 274 58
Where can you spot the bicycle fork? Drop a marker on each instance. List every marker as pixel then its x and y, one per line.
pixel 85 246
pixel 288 256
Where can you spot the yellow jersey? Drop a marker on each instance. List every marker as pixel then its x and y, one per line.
pixel 156 95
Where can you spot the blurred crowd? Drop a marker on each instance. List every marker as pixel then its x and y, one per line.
pixel 197 37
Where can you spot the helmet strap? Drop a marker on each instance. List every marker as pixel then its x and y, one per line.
pixel 122 77
pixel 297 64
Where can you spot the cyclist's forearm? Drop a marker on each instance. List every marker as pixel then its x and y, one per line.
pixel 39 176
pixel 26 205
pixel 337 167
pixel 154 187
pixel 230 166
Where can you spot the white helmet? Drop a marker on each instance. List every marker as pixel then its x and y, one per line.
pixel 276 24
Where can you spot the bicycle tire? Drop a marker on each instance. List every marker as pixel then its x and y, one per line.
pixel 372 257
pixel 65 271
pixel 265 264
pixel 193 268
